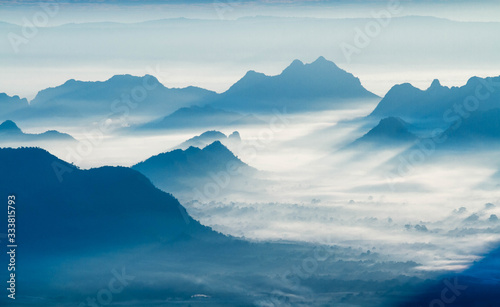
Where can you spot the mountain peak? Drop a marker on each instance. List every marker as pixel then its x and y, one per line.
pixel 320 64
pixel 322 61
pixel 295 67
pixel 435 84
pixel 212 133
pixel 215 146
pixel 10 126
pixel 300 87
pixel 297 62
pixel 235 135
pixel 392 122
pixel 388 130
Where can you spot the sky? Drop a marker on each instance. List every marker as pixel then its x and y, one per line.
pixel 217 58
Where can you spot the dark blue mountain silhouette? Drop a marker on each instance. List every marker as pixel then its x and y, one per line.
pixel 119 94
pixel 181 170
pixel 77 229
pixel 390 131
pixel 438 102
pixel 480 128
pixel 207 117
pixel 10 132
pixel 476 286
pixel 84 210
pixel 300 87
pixel 208 137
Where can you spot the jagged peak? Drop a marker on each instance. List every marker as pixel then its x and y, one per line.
pixel 435 84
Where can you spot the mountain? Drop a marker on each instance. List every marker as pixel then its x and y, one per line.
pixel 85 210
pixel 206 117
pixel 10 132
pixel 300 87
pixel 480 128
pixel 181 171
pixel 439 103
pixel 82 234
pixel 209 137
pixel 390 131
pixel 476 286
pixel 110 233
pixel 121 94
pixel 9 104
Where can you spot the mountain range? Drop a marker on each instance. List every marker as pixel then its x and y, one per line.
pixel 208 137
pixel 111 228
pixel 9 104
pixel 88 197
pixel 121 94
pixel 439 103
pixel 11 133
pixel 320 85
pixel 180 171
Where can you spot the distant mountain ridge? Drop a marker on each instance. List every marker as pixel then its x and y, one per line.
pixel 439 102
pixel 9 104
pixel 315 86
pixel 209 137
pixel 121 94
pixel 320 85
pixel 10 132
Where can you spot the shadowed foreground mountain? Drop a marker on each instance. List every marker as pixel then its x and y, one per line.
pixel 300 87
pixel 476 286
pixel 10 132
pixel 48 189
pixel 83 233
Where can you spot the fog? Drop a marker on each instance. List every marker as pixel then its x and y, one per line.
pixel 281 183
pixel 311 187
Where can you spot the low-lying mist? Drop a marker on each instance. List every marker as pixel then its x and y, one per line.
pixel 440 211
